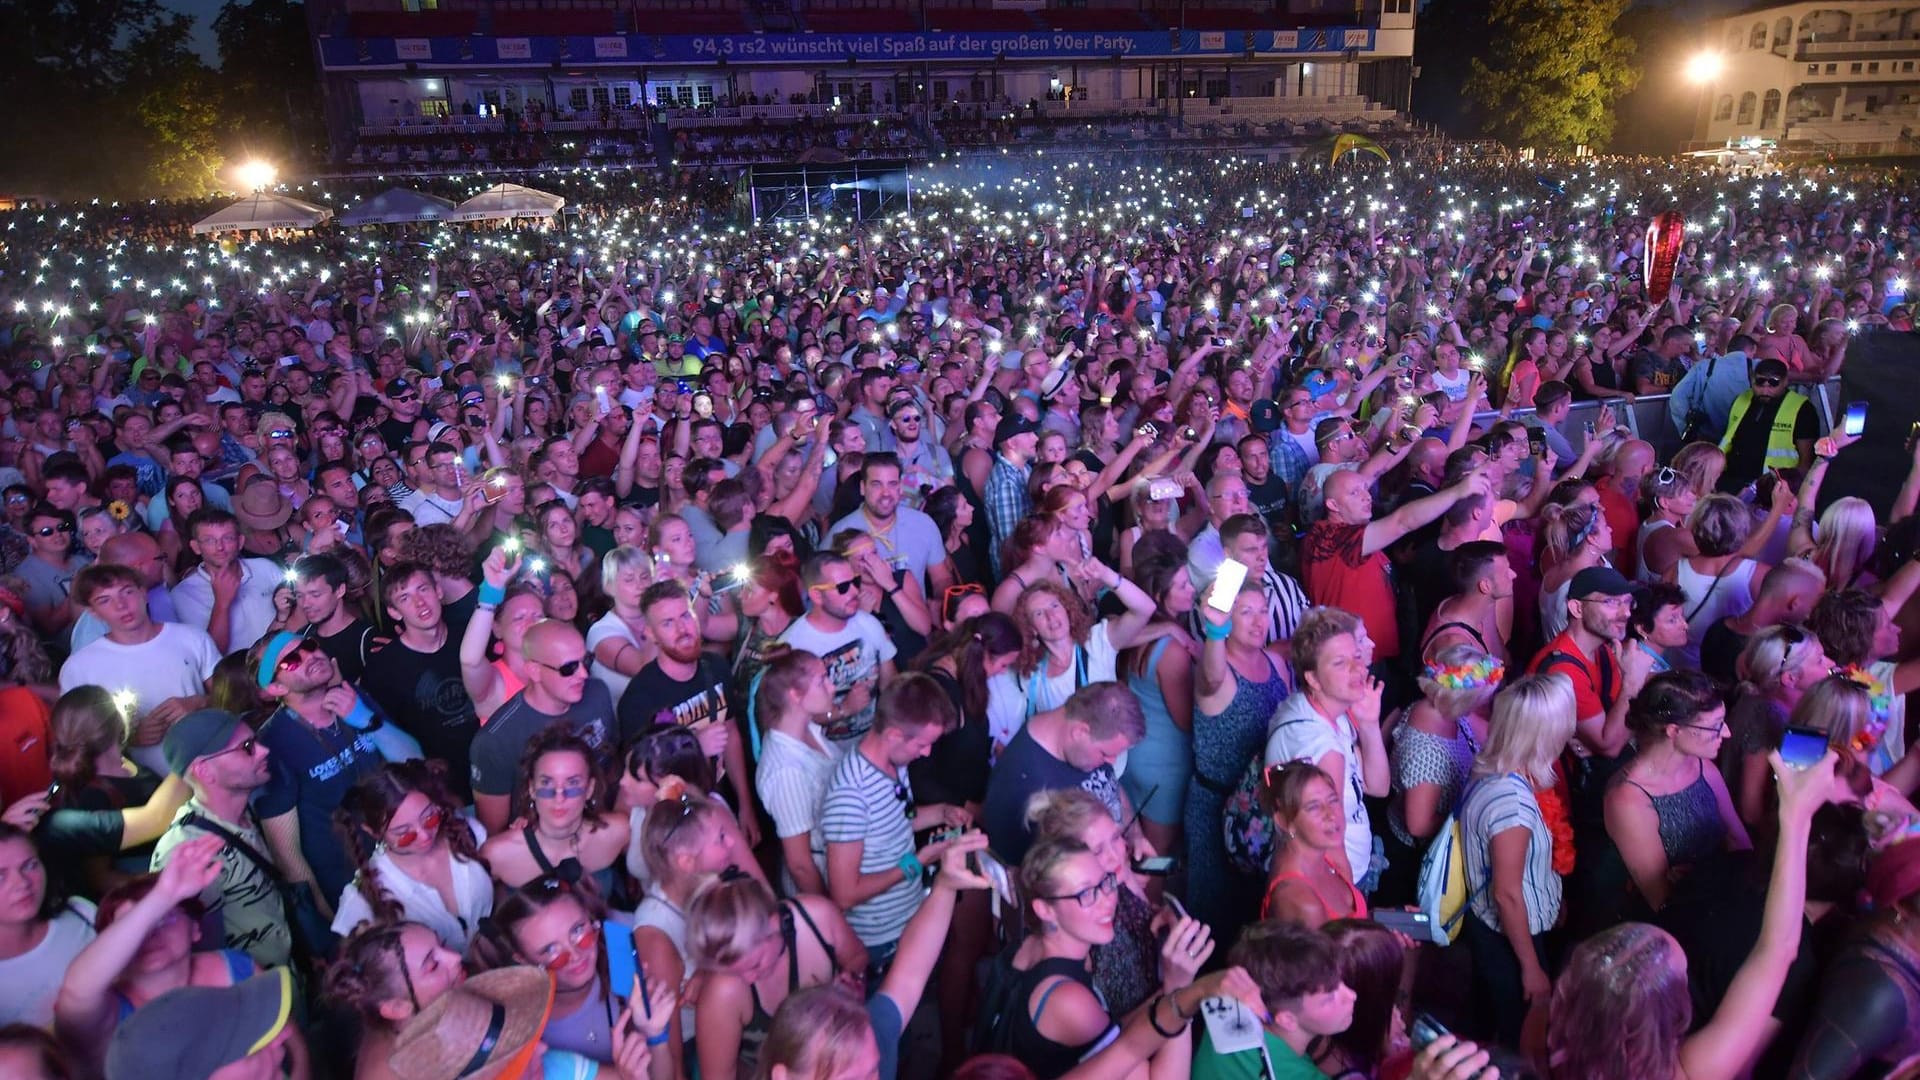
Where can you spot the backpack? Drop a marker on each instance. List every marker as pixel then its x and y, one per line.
pixel 1246 827
pixel 1444 894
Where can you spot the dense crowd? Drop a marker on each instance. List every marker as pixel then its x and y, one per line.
pixel 978 642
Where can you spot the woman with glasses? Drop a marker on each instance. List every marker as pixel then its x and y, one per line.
pixel 1126 969
pixel 1666 498
pixel 418 859
pixel 1306 885
pixel 1040 1003
pixel 1776 668
pixel 146 928
pixel 1669 809
pixel 748 952
pixel 566 833
pixel 600 968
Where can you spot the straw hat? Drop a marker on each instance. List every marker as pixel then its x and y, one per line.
pixel 486 1027
pixel 261 506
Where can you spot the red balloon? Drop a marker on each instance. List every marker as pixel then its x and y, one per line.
pixel 1665 234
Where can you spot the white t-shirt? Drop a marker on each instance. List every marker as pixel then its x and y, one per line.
pixel 30 982
pixel 792 780
pixel 1011 699
pixel 1298 733
pixel 852 654
pixel 428 508
pixel 421 903
pixel 252 606
pixel 609 627
pixel 176 663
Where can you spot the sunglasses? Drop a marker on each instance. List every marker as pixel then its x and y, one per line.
pixel 429 826
pixel 49 530
pixel 571 791
pixel 841 587
pixel 1792 636
pixel 583 938
pixel 908 418
pixel 294 657
pixel 1767 381
pixel 1667 476
pixel 246 747
pixel 405 399
pixel 904 797
pixel 566 670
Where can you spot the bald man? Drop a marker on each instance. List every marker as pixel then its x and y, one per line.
pixel 1786 596
pixel 559 690
pixel 1619 490
pixel 141 553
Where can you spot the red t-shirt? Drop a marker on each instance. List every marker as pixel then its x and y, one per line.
pixel 24 739
pixel 1596 681
pixel 599 459
pixel 1336 573
pixel 1623 521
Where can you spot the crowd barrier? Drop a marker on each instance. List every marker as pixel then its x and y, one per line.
pixel 1647 417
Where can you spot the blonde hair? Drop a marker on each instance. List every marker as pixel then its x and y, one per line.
pixel 1848 533
pixel 1719 524
pixel 676 827
pixel 1773 652
pixel 816 1033
pixel 1775 312
pixel 1064 814
pixel 1838 706
pixel 726 918
pixel 624 557
pixel 1701 463
pixel 1533 719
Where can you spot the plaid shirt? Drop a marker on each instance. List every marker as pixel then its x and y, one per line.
pixel 1006 503
pixel 1290 463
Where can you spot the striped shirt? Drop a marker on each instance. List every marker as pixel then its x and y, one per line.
pixel 866 806
pixel 1493 805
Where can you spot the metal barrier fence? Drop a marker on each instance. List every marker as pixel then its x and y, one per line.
pixel 1647 417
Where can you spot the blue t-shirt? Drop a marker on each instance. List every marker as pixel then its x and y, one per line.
pixel 311 771
pixel 884 1014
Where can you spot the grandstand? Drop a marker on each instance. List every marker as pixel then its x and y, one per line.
pixel 435 86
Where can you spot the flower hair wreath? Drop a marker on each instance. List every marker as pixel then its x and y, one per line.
pixel 1472 675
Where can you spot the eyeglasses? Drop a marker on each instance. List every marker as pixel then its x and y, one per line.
pixel 571 791
pixel 1090 895
pixel 49 530
pixel 1712 729
pixel 566 670
pixel 404 836
pixel 246 747
pixel 405 399
pixel 841 587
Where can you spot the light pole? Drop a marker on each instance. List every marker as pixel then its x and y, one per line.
pixel 255 175
pixel 1703 69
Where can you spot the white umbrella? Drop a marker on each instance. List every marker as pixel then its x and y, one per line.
pixel 398 205
pixel 502 201
pixel 263 210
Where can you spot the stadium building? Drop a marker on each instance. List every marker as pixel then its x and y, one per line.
pixel 440 84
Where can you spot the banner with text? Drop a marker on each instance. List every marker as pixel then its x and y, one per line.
pixel 346 53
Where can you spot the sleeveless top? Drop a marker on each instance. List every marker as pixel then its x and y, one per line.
pixel 1359 898
pixel 1009 1017
pixel 754 1035
pixel 570 869
pixel 1709 601
pixel 1647 529
pixel 1690 824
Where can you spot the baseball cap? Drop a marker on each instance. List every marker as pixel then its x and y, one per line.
pixel 399 386
pixel 1599 581
pixel 1507 296
pixel 193 1032
pixel 1011 425
pixel 194 736
pixel 1264 416
pixel 277 646
pixel 439 428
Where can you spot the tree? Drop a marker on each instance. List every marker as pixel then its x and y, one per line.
pixel 182 117
pixel 267 71
pixel 1557 69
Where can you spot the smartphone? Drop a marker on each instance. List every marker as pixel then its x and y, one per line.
pixel 1589 428
pixel 1158 866
pixel 1149 429
pixel 1537 444
pixel 1855 420
pixel 1226 584
pixel 703 404
pixel 1220 343
pixel 289 361
pixel 1913 436
pixel 1802 747
pixel 1424 1031
pixel 1179 908
pixel 461 294
pixel 1163 488
pixel 1414 924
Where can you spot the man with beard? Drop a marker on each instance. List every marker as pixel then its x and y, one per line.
pixel 853 644
pixel 905 537
pixel 686 687
pixel 318 748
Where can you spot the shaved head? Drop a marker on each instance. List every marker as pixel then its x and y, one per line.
pixel 550 640
pixel 137 551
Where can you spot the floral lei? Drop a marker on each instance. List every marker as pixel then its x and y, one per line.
pixel 1473 675
pixel 1555 803
pixel 1867 741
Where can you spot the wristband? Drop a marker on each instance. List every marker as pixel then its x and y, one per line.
pixel 910 866
pixel 660 1039
pixel 1153 1017
pixel 491 593
pixel 1216 633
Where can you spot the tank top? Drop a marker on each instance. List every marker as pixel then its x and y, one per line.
pixel 1010 1017
pixel 1359 898
pixel 754 1035
pixel 1710 600
pixel 1647 529
pixel 570 869
pixel 1690 824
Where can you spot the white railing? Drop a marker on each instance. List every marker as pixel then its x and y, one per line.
pixel 1894 47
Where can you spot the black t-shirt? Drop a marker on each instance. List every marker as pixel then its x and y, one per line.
pixel 653 697
pixel 349 648
pixel 1426 568
pixel 1269 499
pixel 88 824
pixel 1720 651
pixel 457 614
pixel 396 432
pixel 955 771
pixel 423 694
pixel 640 498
